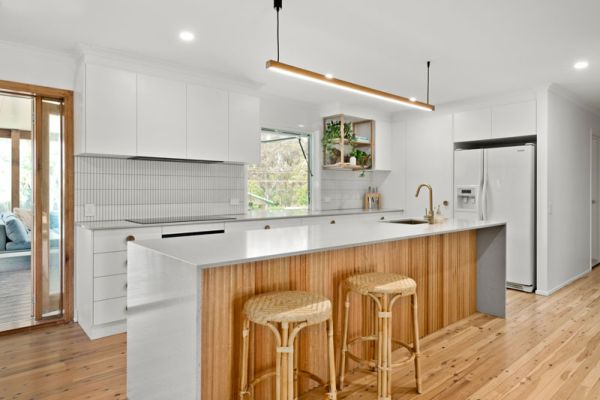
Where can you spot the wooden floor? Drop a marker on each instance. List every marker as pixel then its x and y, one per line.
pixel 15 299
pixel 548 348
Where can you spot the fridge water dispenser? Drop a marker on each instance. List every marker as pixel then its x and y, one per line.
pixel 467 198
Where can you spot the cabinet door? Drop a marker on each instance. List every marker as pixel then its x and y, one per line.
pixel 473 125
pixel 207 124
pixel 518 119
pixel 110 111
pixel 161 111
pixel 264 224
pixel 244 128
pixel 429 159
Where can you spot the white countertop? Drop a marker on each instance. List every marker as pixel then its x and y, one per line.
pixel 249 216
pixel 242 247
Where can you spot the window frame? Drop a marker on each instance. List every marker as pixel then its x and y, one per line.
pixel 309 158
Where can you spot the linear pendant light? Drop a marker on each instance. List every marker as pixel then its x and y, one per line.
pixel 330 81
pixel 311 76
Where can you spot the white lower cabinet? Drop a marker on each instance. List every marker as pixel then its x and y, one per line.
pixel 101 277
pixel 101 263
pixel 111 310
pixel 261 224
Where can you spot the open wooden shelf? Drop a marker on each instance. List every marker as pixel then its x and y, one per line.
pixel 345 136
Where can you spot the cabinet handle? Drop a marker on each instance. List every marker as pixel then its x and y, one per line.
pixel 382 218
pixel 267 226
pixel 125 286
pixel 332 222
pixel 130 238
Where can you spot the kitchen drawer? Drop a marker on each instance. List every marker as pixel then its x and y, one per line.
pixel 263 224
pixel 331 220
pixel 110 287
pixel 387 216
pixel 174 229
pixel 112 310
pixel 116 240
pixel 110 263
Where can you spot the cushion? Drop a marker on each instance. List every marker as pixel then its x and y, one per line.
pixel 26 217
pixel 13 246
pixel 15 230
pixel 2 237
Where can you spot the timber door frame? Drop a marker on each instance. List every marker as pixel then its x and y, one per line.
pixel 68 194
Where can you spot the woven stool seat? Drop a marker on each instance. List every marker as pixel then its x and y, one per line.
pixel 291 306
pixel 381 283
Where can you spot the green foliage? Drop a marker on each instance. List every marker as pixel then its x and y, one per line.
pixel 281 177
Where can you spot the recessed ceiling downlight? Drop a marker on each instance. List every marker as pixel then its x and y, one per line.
pixel 187 36
pixel 582 64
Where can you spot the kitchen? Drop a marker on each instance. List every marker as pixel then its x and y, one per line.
pixel 193 189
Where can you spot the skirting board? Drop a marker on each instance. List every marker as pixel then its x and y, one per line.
pixel 562 285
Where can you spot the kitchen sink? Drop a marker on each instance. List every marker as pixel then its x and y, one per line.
pixel 410 221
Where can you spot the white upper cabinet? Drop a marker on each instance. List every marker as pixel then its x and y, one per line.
pixel 519 119
pixel 161 117
pixel 109 105
pixel 244 128
pixel 473 125
pixel 207 123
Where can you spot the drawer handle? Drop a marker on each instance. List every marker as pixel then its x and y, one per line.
pixel 125 286
pixel 267 226
pixel 332 222
pixel 130 238
pixel 382 218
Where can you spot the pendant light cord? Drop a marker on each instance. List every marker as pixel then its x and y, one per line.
pixel 428 66
pixel 277 4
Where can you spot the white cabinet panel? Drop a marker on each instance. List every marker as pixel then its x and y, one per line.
pixel 106 264
pixel 332 220
pixel 110 310
pixel 519 119
pixel 429 159
pixel 244 128
pixel 473 125
pixel 116 240
pixel 110 287
pixel 262 224
pixel 110 111
pixel 161 117
pixel 207 123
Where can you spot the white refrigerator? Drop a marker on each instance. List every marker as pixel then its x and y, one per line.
pixel 498 183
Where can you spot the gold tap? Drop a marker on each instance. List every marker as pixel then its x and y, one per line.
pixel 428 213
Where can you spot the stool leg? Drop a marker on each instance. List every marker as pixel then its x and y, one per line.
pixel 284 362
pixel 385 343
pixel 296 367
pixel 332 385
pixel 344 340
pixel 416 349
pixel 380 341
pixel 245 349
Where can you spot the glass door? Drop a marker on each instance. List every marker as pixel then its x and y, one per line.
pixel 36 205
pixel 16 213
pixel 48 232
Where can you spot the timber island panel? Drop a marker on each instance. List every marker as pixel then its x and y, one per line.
pixel 444 267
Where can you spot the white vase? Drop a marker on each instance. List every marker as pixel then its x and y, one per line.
pixel 353 160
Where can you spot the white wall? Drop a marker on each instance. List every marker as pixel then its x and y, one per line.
pixel 565 248
pixel 21 63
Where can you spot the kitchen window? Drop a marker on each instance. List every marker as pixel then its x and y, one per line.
pixel 281 181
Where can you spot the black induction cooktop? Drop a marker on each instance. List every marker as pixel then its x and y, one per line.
pixel 170 220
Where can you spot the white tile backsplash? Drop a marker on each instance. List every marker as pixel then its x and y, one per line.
pixel 346 189
pixel 124 189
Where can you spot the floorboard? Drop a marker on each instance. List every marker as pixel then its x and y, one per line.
pixel 547 348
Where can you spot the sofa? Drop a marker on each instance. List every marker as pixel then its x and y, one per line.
pixel 15 236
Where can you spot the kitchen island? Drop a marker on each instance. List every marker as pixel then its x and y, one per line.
pixel 185 295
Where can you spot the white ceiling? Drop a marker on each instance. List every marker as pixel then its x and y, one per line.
pixel 477 47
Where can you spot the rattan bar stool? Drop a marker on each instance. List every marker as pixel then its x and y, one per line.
pixel 384 289
pixel 286 314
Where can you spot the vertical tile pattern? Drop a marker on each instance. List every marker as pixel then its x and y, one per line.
pixel 345 189
pixel 123 189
